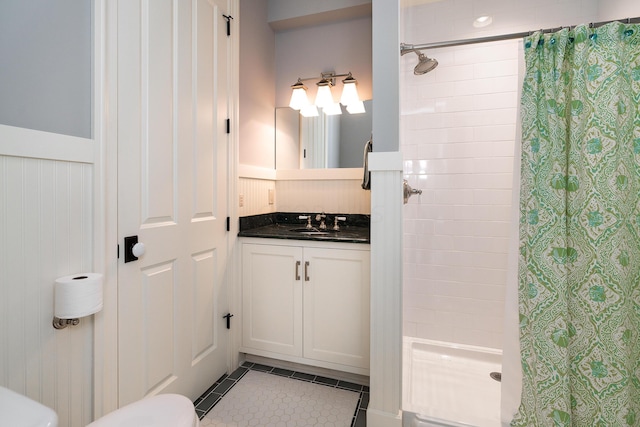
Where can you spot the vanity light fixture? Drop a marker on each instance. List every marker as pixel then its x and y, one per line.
pixel 349 91
pixel 299 98
pixel 324 97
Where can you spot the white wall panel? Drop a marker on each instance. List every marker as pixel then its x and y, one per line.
pixel 204 67
pixel 158 139
pixel 204 286
pixel 45 233
pixel 158 287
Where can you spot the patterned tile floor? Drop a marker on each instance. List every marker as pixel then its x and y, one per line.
pixel 205 403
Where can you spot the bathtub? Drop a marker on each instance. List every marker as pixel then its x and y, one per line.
pixel 449 385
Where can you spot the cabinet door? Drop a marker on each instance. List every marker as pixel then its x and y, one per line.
pixel 271 298
pixel 336 306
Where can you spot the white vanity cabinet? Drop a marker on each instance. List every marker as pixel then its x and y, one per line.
pixel 307 302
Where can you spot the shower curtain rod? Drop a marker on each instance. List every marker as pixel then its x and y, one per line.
pixel 450 43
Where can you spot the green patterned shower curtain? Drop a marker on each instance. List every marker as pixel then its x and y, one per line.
pixel 579 267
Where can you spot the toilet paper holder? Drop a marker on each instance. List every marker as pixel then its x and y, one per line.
pixel 59 323
pixel 76 296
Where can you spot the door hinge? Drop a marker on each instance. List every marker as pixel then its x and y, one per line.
pixel 228 316
pixel 228 18
pixel 228 223
pixel 118 252
pixel 228 125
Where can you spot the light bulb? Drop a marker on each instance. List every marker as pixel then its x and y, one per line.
pixel 298 96
pixel 349 91
pixel 324 96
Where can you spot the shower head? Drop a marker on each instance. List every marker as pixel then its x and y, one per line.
pixel 425 64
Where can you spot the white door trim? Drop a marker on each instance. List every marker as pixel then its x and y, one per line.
pixel 232 190
pixel 105 104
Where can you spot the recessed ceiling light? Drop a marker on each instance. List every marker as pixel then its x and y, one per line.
pixel 482 21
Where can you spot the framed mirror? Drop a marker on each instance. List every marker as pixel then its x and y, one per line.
pixel 321 142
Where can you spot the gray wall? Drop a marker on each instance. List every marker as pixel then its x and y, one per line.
pixel 257 88
pixel 45 77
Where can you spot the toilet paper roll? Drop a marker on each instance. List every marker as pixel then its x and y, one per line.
pixel 77 295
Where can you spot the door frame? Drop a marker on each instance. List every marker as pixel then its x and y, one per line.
pixel 105 233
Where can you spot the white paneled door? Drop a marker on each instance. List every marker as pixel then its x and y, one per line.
pixel 173 79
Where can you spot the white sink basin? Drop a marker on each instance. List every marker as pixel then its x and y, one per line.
pixel 17 410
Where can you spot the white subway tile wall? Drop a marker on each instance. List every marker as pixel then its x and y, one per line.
pixel 458 134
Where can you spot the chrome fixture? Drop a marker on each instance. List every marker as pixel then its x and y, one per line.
pixel 59 323
pixel 308 218
pixel 408 191
pixel 336 227
pixel 321 217
pixel 324 97
pixel 425 64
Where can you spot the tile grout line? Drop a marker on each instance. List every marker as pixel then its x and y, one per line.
pixel 249 366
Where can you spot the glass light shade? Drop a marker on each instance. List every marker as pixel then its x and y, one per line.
pixel 299 98
pixel 349 93
pixel 332 109
pixel 309 111
pixel 324 96
pixel 356 108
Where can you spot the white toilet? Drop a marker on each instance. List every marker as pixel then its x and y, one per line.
pixel 20 411
pixel 163 410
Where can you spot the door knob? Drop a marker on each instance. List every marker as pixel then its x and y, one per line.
pixel 138 249
pixel 133 249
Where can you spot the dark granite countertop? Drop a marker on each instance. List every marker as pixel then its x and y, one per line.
pixel 287 226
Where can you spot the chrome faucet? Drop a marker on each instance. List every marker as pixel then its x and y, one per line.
pixel 321 217
pixel 308 218
pixel 336 227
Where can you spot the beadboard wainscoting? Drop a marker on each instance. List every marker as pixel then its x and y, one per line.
pixel 253 195
pixel 305 191
pixel 46 231
pixel 314 196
